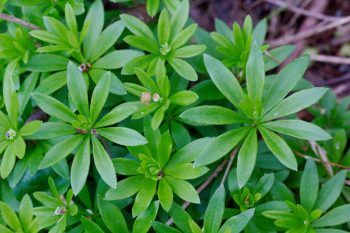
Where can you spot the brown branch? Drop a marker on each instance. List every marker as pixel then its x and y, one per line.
pixel 321 27
pixel 301 155
pixel 330 59
pixel 13 19
pixel 302 11
pixel 228 167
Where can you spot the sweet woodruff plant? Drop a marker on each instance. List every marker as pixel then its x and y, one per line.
pixel 89 92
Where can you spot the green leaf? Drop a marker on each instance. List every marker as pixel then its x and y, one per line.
pixel 224 80
pixel 89 226
pixel 189 152
pixel 298 129
pixel 94 20
pixel 328 230
pixel 334 217
pixel 186 171
pixel 279 148
pixel 260 30
pixel 152 7
pixel 20 147
pixel 9 216
pixel 53 107
pixel 122 136
pixel 106 40
pixel 80 166
pixel 70 19
pixel 60 151
pixel 247 158
pixel 183 68
pixel 330 191
pixel 181 218
pixel 189 51
pixel 116 59
pixel 126 188
pixel 211 115
pixel 141 62
pixel 99 96
pixel 116 115
pixel 126 167
pixel 220 146
pixel 164 149
pixel 53 129
pixel 215 211
pixel 237 223
pixel 183 98
pixel 144 197
pixel 165 194
pixel 180 17
pixel 162 228
pixel 183 189
pixel 46 63
pixel 25 211
pixel 142 43
pixel 180 134
pixel 112 217
pixel 277 56
pixel 137 27
pixel 164 27
pixel 52 83
pixel 144 222
pixel 30 128
pixel 255 73
pixel 103 163
pixel 8 161
pixel 183 36
pixel 289 76
pixel 309 186
pixel 295 103
pixel 10 95
pixel 77 89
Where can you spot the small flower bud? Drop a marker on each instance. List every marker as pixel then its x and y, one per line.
pixel 84 67
pixel 156 97
pixel 165 49
pixel 145 98
pixel 60 210
pixel 10 134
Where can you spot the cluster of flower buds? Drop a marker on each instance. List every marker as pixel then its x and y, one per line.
pixel 147 97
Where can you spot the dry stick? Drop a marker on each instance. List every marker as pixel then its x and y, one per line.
pixel 232 157
pixel 310 32
pixel 302 11
pixel 211 178
pixel 13 19
pixel 320 161
pixel 330 59
pixel 323 155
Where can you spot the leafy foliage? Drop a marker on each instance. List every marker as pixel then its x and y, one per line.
pixel 89 93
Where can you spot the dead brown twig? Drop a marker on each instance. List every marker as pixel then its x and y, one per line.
pixel 321 27
pixel 330 59
pixel 302 11
pixel 16 20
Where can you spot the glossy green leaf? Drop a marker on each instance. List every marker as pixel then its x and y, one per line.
pixel 144 222
pixel 122 136
pixel 309 186
pixel 165 194
pixel 60 151
pixel 183 189
pixel 298 129
pixel 224 80
pixel 77 89
pixel 221 146
pixel 255 73
pixel 215 211
pixel 279 148
pixel 80 166
pixel 99 96
pixel 247 157
pixel 103 163
pixel 334 217
pixel 211 115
